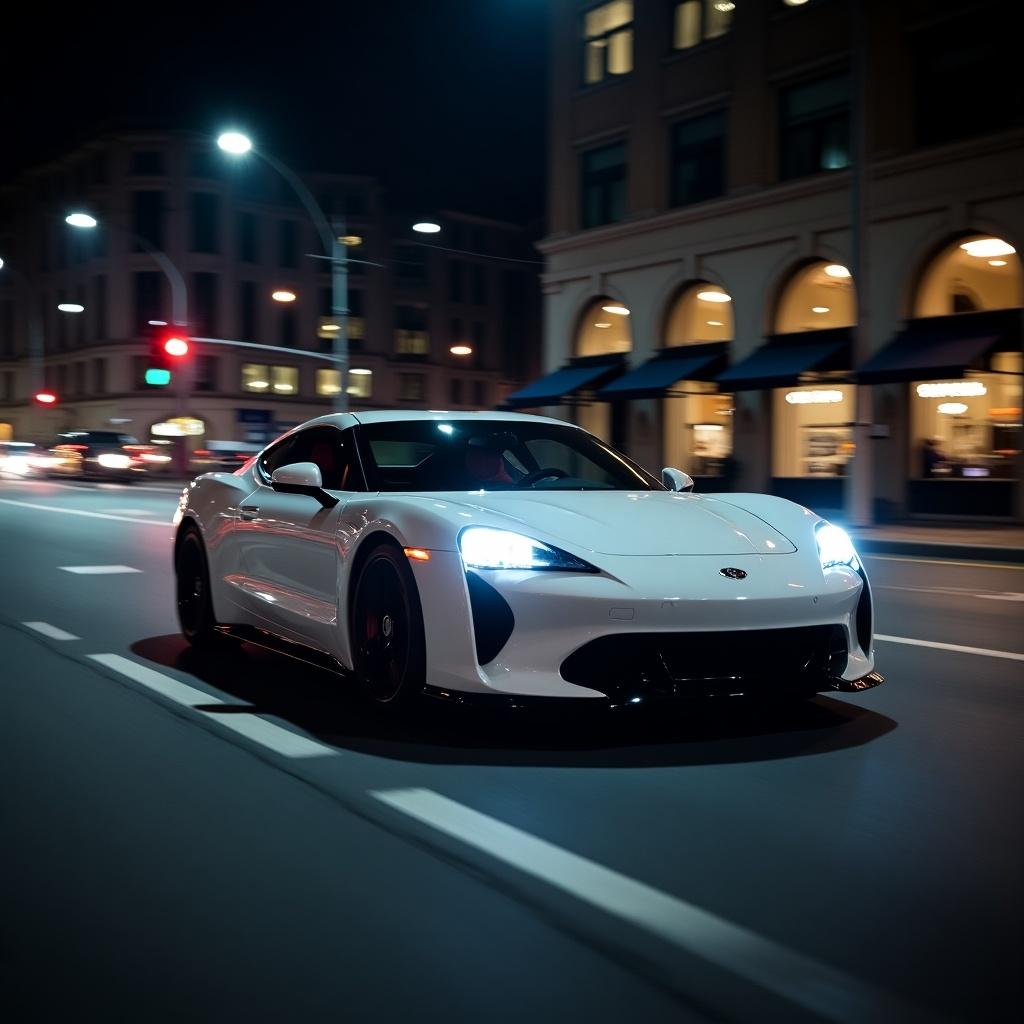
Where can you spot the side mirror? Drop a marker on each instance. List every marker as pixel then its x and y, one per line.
pixel 302 478
pixel 676 479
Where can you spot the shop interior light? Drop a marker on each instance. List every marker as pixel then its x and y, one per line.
pixel 602 326
pixel 952 408
pixel 988 247
pixel 821 309
pixel 282 386
pixel 716 323
pixel 837 270
pixel 814 397
pixel 724 6
pixel 997 263
pixel 283 295
pixel 709 296
pixel 259 385
pixel 357 371
pixel 617 310
pixel 952 389
pixel 461 350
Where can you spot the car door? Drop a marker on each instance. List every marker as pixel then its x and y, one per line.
pixel 288 542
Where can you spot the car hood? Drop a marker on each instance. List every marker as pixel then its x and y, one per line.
pixel 630 522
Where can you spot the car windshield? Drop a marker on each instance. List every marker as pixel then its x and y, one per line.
pixel 495 455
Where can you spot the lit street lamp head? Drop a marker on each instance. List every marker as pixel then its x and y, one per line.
pixel 80 220
pixel 234 142
pixel 426 227
pixel 283 295
pixel 71 307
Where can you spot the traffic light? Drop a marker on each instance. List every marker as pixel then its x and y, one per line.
pixel 168 349
pixel 44 398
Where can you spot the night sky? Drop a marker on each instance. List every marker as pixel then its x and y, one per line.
pixel 444 100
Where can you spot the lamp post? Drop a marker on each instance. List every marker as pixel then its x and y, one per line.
pixel 237 144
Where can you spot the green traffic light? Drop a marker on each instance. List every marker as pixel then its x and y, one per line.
pixel 158 377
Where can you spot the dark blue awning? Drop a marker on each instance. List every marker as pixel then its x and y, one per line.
pixel 943 346
pixel 657 375
pixel 577 374
pixel 781 362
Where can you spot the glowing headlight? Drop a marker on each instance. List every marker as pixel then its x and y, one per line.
pixel 484 548
pixel 109 460
pixel 835 547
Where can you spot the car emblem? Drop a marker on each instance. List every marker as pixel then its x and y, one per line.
pixel 733 573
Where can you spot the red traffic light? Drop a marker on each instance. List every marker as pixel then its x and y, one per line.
pixel 176 346
pixel 44 398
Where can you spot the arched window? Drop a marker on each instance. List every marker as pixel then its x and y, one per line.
pixel 603 329
pixel 697 420
pixel 969 428
pixel 974 273
pixel 812 435
pixel 819 296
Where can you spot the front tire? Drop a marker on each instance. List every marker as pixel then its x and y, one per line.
pixel 388 645
pixel 195 608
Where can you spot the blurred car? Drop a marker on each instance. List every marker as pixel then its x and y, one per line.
pixel 222 456
pixel 103 454
pixel 21 459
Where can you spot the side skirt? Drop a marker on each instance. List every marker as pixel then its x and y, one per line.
pixel 278 645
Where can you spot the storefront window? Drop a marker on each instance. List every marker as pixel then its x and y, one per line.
pixel 697 420
pixel 603 329
pixel 973 274
pixel 812 434
pixel 813 430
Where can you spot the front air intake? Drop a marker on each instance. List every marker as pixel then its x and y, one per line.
pixel 493 620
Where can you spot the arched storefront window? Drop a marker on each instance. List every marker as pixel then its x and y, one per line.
pixel 969 427
pixel 603 329
pixel 812 432
pixel 697 419
pixel 177 426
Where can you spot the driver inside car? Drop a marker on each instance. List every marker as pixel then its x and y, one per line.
pixel 485 463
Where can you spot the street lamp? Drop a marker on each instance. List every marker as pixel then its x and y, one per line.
pixel 71 307
pixel 80 220
pixel 334 242
pixel 426 227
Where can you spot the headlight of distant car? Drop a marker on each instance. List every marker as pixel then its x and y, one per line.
pixel 486 548
pixel 835 547
pixel 111 460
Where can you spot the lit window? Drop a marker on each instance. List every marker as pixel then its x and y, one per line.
pixel 972 274
pixel 276 380
pixel 815 127
pixel 698 20
pixel 411 343
pixel 603 185
pixel 813 435
pixel 608 41
pixel 328 382
pixel 818 296
pixel 360 382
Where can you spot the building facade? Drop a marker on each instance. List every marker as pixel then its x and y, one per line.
pixel 706 303
pixel 238 235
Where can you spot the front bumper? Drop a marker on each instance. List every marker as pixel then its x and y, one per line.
pixel 669 626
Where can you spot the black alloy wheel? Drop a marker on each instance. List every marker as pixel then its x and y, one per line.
pixel 387 629
pixel 195 609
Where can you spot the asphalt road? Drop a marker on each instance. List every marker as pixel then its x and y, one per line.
pixel 233 837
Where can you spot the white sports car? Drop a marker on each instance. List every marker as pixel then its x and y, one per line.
pixel 502 555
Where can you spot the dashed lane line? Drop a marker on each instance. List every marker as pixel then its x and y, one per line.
pixel 956 648
pixel 53 632
pixel 947 561
pixel 252 727
pixel 772 967
pixel 81 512
pixel 97 570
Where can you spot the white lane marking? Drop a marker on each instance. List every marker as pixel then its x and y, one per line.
pixel 797 978
pixel 97 570
pixel 51 631
pixel 130 511
pixel 166 686
pixel 946 561
pixel 258 730
pixel 957 648
pixel 988 595
pixel 267 734
pixel 81 512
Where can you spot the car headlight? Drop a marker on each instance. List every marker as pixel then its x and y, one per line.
pixel 111 460
pixel 835 547
pixel 486 548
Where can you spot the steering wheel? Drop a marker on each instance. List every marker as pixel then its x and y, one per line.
pixel 544 473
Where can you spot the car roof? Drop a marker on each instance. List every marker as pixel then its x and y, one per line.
pixel 429 416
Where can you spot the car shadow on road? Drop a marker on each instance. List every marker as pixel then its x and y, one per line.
pixel 324 705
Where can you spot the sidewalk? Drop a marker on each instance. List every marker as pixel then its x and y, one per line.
pixel 985 543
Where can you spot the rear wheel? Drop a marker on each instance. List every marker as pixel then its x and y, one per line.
pixel 195 608
pixel 387 630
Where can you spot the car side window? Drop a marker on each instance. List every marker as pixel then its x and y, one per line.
pixel 332 450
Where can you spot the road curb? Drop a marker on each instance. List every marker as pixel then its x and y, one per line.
pixel 939 549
